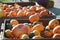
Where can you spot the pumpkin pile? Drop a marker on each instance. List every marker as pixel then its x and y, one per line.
pixel 33 30
pixel 18 11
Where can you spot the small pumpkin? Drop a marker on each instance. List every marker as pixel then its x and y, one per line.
pixel 36 32
pixel 53 23
pixel 24 36
pixel 56 29
pixel 20 13
pixel 33 18
pixel 14 22
pixel 8 33
pixel 44 13
pixel 46 34
pixel 38 27
pixel 36 37
pixel 32 8
pixel 56 35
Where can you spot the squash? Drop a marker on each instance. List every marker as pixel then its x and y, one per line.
pixel 38 27
pixel 56 29
pixel 14 22
pixel 53 23
pixel 56 35
pixel 36 37
pixel 44 13
pixel 24 36
pixel 20 29
pixel 33 18
pixel 46 34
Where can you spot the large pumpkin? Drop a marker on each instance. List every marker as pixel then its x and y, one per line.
pixel 20 29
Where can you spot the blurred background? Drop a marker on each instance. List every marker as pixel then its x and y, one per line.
pixel 55 8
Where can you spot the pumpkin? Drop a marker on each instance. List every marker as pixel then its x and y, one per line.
pixel 47 34
pixel 14 22
pixel 44 13
pixel 13 14
pixel 29 13
pixel 24 8
pixel 7 10
pixel 33 18
pixel 8 33
pixel 56 35
pixel 3 13
pixel 20 13
pixel 47 28
pixel 13 9
pixel 34 23
pixel 56 29
pixel 53 23
pixel 36 37
pixel 32 8
pixel 36 32
pixel 24 36
pixel 5 6
pixel 16 5
pixel 20 29
pixel 38 27
pixel 39 9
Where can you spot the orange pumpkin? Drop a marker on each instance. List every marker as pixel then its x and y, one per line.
pixel 36 37
pixel 33 8
pixel 5 6
pixel 38 27
pixel 13 14
pixel 47 28
pixel 16 5
pixel 13 9
pixel 24 8
pixel 56 29
pixel 29 13
pixel 53 23
pixel 21 13
pixel 56 35
pixel 44 13
pixel 47 34
pixel 20 29
pixel 4 14
pixel 33 18
pixel 8 10
pixel 39 9
pixel 11 35
pixel 14 22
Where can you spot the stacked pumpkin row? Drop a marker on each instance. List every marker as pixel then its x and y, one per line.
pixel 33 30
pixel 18 11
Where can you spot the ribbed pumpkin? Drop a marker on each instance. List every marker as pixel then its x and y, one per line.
pixel 33 18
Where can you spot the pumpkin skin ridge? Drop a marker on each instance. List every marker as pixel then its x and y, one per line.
pixel 40 26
